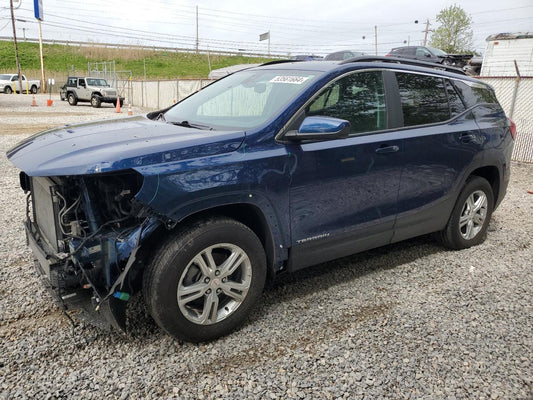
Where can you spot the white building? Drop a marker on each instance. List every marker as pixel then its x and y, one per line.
pixel 503 50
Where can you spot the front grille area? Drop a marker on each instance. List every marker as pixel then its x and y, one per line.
pixel 45 211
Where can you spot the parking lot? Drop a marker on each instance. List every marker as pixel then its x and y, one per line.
pixel 19 116
pixel 411 320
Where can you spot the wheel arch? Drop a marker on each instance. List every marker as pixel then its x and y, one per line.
pixel 492 175
pixel 247 214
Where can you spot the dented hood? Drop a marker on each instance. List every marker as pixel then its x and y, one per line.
pixel 114 145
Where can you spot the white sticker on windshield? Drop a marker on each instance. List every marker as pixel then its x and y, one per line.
pixel 295 80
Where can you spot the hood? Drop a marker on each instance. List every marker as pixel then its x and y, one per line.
pixel 118 144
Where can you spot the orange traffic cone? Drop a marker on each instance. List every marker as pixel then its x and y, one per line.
pixel 33 102
pixel 118 105
pixel 129 109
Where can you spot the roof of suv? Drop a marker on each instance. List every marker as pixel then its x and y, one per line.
pixel 380 61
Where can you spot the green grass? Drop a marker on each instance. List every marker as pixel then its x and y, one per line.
pixel 59 59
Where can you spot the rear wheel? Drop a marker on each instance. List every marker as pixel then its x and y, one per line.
pixel 471 215
pixel 72 100
pixel 204 282
pixel 33 89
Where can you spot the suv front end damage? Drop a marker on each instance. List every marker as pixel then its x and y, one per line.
pixel 84 232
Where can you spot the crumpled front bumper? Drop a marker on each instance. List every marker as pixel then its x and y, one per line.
pixel 108 313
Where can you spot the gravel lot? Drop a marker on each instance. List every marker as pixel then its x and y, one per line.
pixel 411 320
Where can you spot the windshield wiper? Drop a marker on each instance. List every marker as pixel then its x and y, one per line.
pixel 187 124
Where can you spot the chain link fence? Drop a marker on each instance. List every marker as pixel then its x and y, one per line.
pixel 516 96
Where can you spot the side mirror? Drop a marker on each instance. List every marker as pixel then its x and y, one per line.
pixel 320 128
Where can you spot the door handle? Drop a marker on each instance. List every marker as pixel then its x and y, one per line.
pixel 387 149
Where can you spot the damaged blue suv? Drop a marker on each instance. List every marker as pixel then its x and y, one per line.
pixel 271 169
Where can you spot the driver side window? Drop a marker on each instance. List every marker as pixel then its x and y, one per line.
pixel 358 98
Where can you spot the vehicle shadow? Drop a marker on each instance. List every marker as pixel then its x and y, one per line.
pixel 291 286
pixel 287 287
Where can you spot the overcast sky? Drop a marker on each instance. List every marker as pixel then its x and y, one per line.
pixel 296 26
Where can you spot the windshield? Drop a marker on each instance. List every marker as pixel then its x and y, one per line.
pixel 437 52
pixel 96 82
pixel 5 77
pixel 244 100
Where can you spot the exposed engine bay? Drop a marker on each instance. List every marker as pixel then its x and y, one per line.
pixel 87 231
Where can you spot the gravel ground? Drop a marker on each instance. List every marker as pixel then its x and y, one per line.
pixel 411 320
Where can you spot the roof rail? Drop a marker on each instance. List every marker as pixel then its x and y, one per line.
pixel 398 60
pixel 279 62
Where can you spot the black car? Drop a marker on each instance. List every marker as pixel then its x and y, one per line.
pixel 343 55
pixel 430 54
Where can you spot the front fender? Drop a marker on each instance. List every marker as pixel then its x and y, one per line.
pixel 179 190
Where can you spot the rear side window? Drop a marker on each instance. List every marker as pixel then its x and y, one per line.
pixel 424 99
pixel 456 104
pixel 474 93
pixel 358 98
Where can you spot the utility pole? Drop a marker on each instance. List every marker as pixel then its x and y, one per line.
pixel 43 86
pixel 376 38
pixel 197 40
pixel 16 47
pixel 426 32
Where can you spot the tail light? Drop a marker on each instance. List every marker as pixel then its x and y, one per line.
pixel 512 128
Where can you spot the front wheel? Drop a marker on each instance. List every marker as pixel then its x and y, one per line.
pixel 96 101
pixel 8 90
pixel 470 217
pixel 204 281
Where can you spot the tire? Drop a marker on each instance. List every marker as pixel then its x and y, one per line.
pixel 121 103
pixel 33 89
pixel 8 90
pixel 471 215
pixel 72 100
pixel 96 101
pixel 182 290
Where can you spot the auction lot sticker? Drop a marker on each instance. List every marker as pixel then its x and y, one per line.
pixel 295 80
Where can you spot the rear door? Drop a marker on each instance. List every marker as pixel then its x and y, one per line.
pixel 343 192
pixel 441 140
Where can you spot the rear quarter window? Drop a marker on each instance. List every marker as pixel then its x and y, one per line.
pixel 474 93
pixel 424 99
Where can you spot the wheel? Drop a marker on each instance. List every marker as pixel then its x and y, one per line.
pixel 203 282
pixel 33 89
pixel 72 100
pixel 470 217
pixel 121 103
pixel 96 101
pixel 8 90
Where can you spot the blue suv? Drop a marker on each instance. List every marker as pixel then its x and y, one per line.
pixel 271 169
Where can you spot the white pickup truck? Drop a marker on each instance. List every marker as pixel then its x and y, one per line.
pixel 10 82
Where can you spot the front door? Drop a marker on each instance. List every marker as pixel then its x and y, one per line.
pixel 343 192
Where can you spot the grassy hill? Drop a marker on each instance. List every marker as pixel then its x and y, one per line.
pixel 59 60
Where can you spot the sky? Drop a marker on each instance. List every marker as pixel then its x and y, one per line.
pixel 295 26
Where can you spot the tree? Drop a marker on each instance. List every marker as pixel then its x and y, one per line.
pixel 454 34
